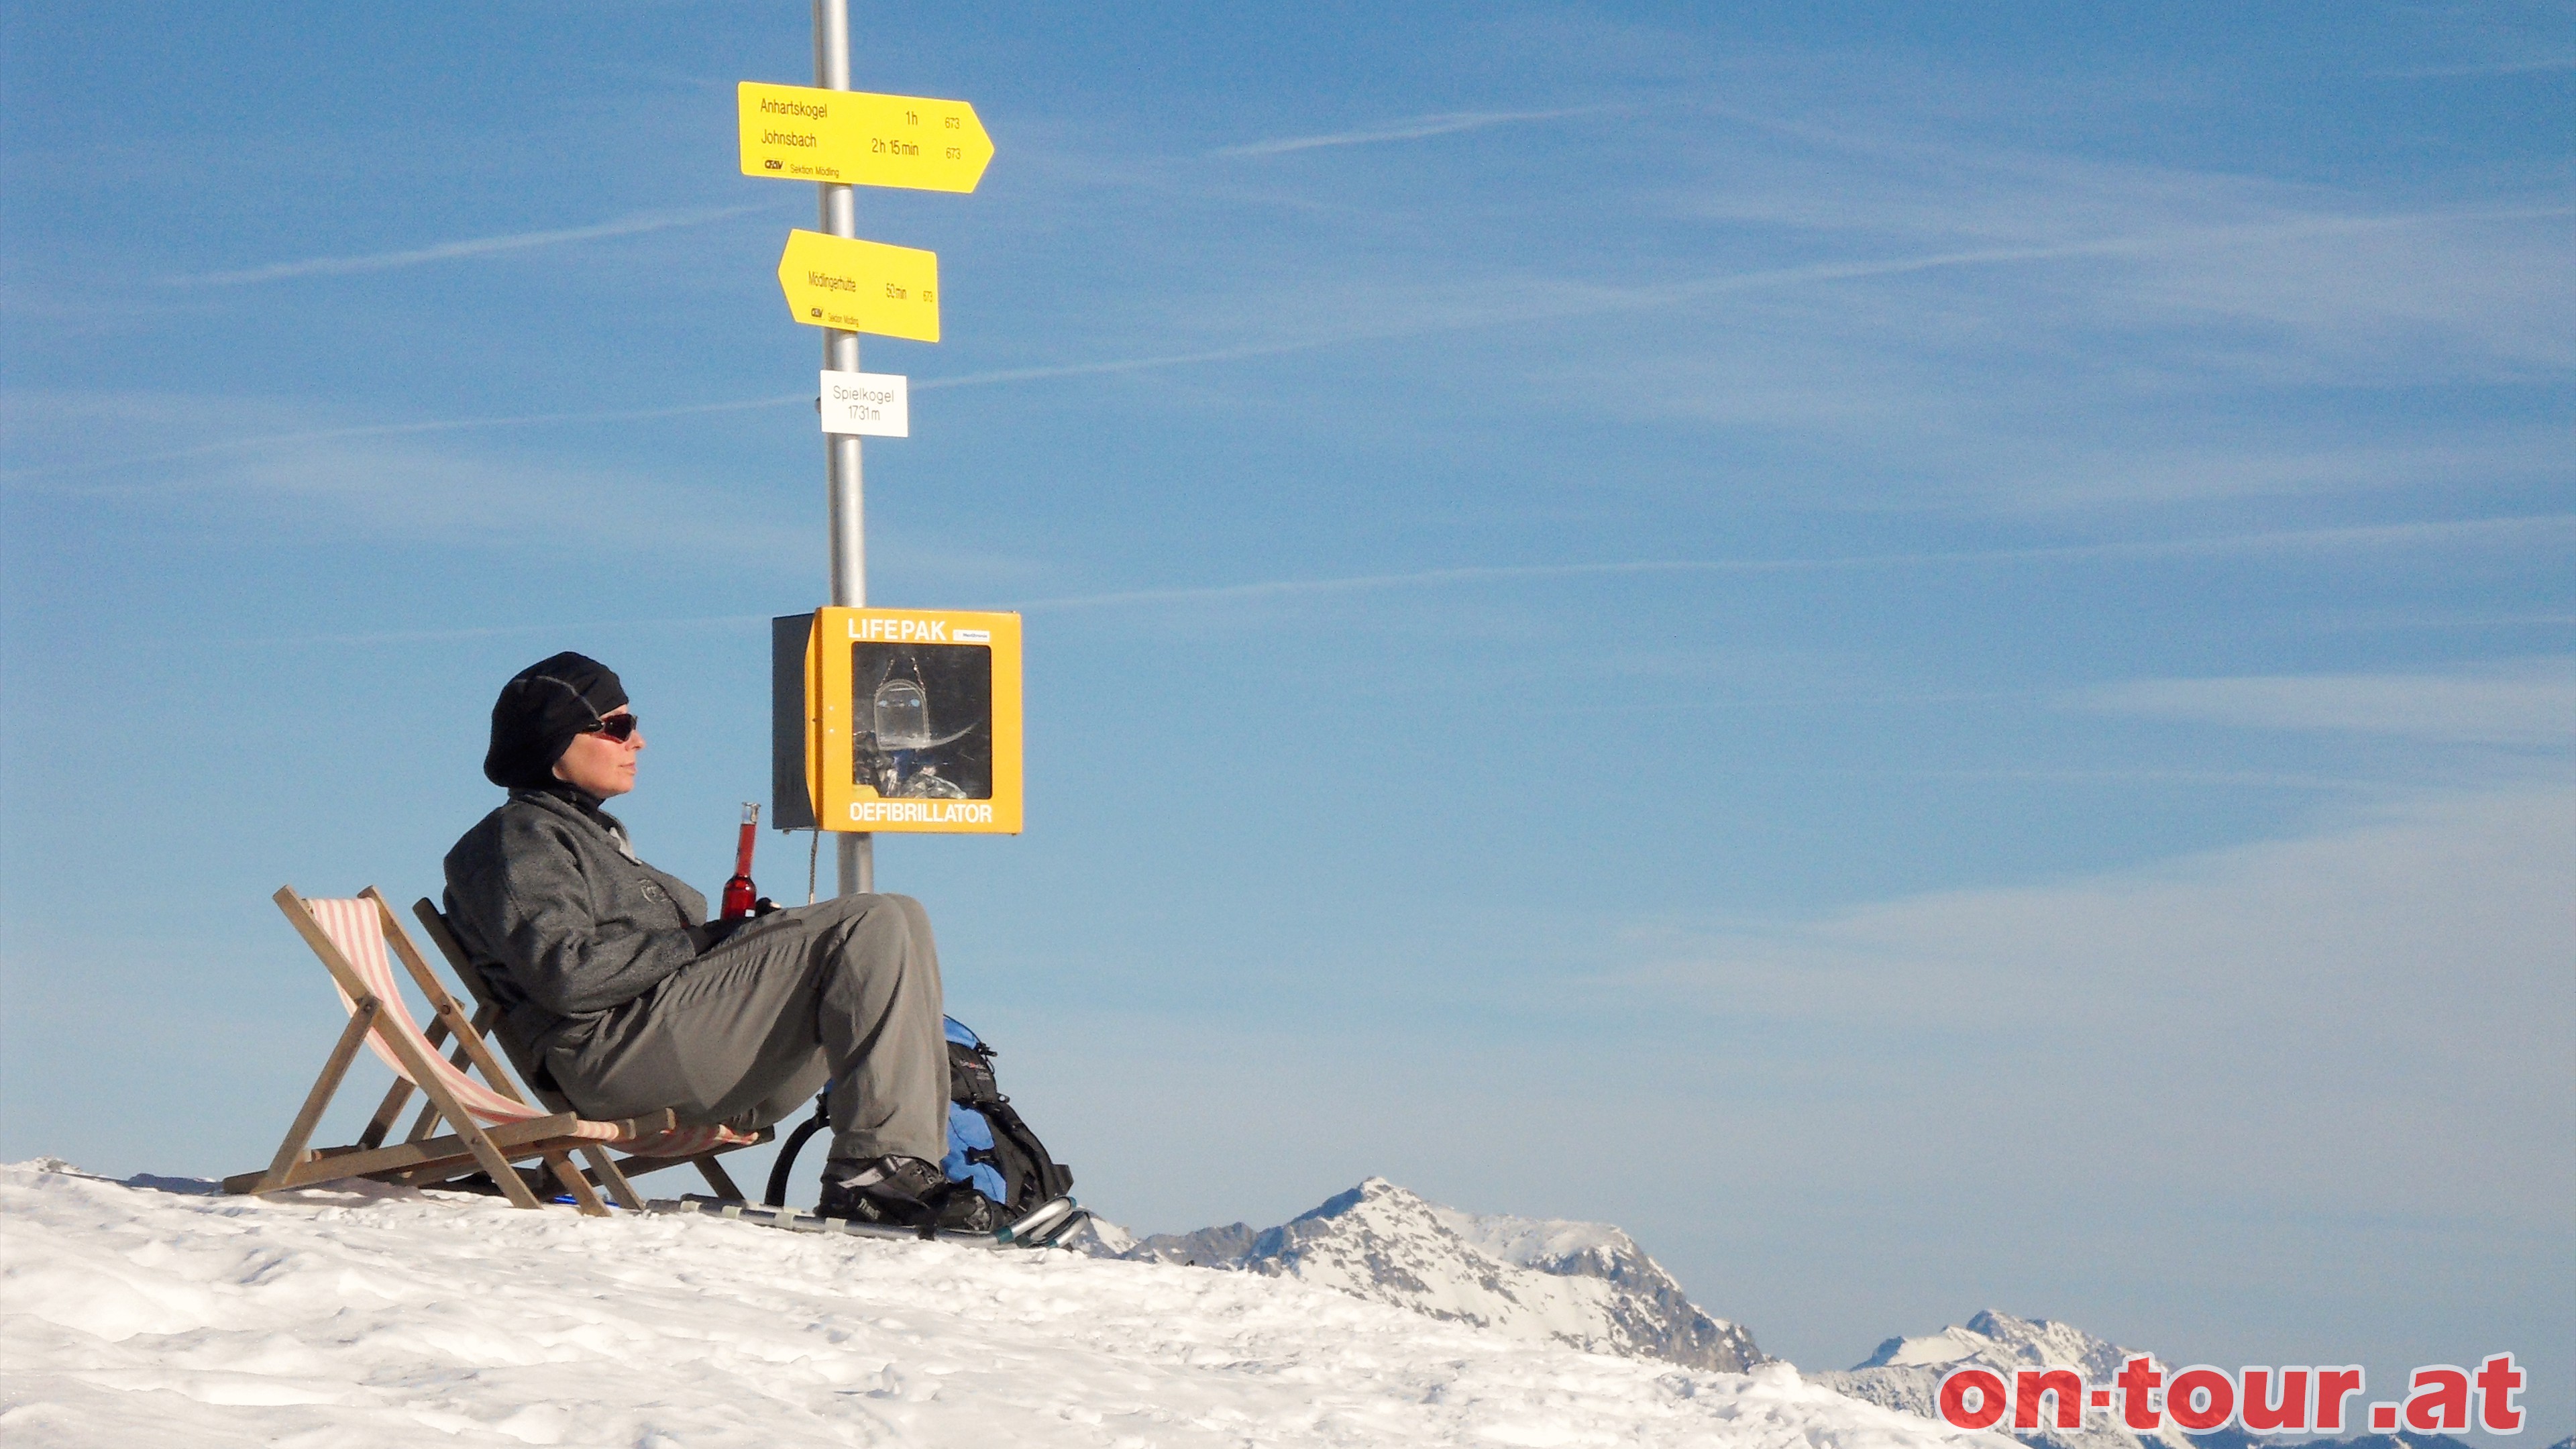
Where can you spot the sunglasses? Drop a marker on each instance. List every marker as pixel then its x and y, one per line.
pixel 618 727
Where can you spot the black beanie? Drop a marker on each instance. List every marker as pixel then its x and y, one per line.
pixel 540 710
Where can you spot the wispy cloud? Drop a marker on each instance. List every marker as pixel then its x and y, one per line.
pixel 1499 305
pixel 2522 703
pixel 2136 474
pixel 380 483
pixel 2190 274
pixel 1414 129
pixel 1510 302
pixel 2385 970
pixel 451 251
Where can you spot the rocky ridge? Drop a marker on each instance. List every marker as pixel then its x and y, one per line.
pixel 1906 1373
pixel 1584 1284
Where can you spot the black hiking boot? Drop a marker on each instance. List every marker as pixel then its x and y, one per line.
pixel 964 1210
pixel 904 1191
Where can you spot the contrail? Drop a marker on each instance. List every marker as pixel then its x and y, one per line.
pixel 1412 130
pixel 1608 300
pixel 2481 68
pixel 625 415
pixel 1628 298
pixel 442 425
pixel 2368 536
pixel 447 251
pixel 1136 364
pixel 498 631
pixel 2380 535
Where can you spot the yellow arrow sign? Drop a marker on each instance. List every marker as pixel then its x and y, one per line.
pixel 861 286
pixel 855 138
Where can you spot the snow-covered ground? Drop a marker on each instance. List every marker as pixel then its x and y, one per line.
pixel 130 1315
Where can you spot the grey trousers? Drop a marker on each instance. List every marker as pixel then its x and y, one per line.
pixel 845 990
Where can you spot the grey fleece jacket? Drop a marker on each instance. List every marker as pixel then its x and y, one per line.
pixel 561 919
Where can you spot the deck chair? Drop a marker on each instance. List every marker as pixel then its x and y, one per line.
pixel 490 1126
pixel 434 924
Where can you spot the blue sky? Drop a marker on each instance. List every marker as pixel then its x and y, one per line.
pixel 1924 653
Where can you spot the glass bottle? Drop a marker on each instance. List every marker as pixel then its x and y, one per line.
pixel 739 892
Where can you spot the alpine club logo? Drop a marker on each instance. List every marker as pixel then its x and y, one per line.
pixel 2263 1400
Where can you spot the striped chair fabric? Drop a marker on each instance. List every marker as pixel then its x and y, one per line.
pixel 356 926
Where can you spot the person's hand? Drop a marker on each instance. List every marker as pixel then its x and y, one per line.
pixel 709 935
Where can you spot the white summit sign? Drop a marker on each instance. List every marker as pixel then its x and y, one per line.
pixel 871 404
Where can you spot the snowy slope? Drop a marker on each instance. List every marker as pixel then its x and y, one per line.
pixel 1586 1285
pixel 134 1316
pixel 1906 1374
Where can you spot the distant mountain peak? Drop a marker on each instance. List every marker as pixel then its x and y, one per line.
pixel 1906 1373
pixel 2000 1339
pixel 1584 1284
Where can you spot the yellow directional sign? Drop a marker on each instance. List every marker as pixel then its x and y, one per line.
pixel 861 286
pixel 855 138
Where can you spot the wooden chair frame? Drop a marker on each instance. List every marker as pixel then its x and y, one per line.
pixel 549 1136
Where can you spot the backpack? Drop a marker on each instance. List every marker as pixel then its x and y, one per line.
pixel 989 1147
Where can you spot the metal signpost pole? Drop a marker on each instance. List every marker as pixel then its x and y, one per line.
pixel 841 450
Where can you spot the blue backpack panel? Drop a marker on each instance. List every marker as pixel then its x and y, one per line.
pixel 988 1145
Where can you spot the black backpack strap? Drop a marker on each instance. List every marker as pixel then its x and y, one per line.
pixel 1050 1178
pixel 1031 1174
pixel 795 1143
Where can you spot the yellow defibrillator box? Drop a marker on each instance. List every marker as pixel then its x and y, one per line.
pixel 895 720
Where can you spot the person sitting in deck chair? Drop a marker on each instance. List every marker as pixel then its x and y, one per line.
pixel 613 983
